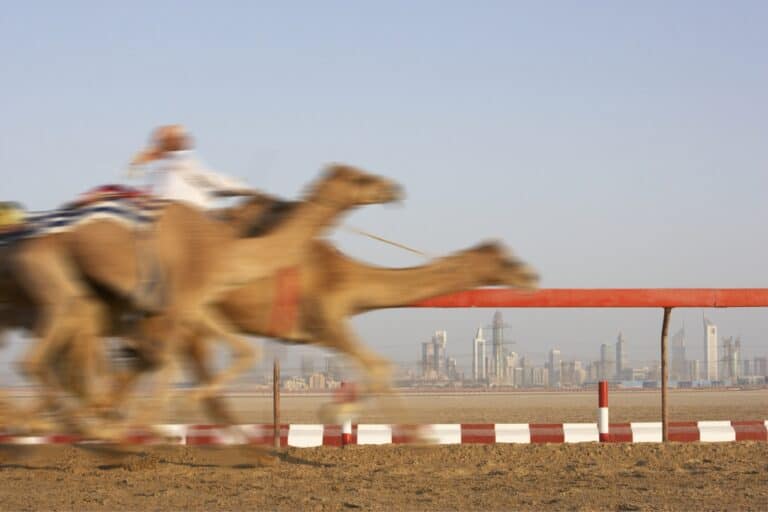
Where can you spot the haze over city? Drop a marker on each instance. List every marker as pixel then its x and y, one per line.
pixel 635 163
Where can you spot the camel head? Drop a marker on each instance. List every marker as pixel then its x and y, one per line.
pixel 496 265
pixel 346 186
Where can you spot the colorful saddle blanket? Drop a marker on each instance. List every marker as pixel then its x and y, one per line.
pixel 122 204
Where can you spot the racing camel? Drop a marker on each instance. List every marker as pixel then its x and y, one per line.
pixel 197 261
pixel 312 302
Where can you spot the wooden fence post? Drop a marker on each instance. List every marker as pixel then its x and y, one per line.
pixel 664 376
pixel 276 402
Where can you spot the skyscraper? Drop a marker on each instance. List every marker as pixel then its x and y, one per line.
pixel 478 357
pixel 555 377
pixel 679 369
pixel 710 351
pixel 607 364
pixel 440 340
pixel 760 366
pixel 694 369
pixel 427 360
pixel 434 363
pixel 511 363
pixel 498 347
pixel 621 355
pixel 729 369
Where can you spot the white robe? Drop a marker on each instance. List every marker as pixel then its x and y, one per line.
pixel 180 176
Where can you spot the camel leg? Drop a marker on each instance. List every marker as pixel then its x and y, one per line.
pixel 53 286
pixel 197 354
pixel 160 394
pixel 67 315
pixel 53 330
pixel 378 373
pixel 244 355
pixel 378 370
pixel 196 350
pixel 125 381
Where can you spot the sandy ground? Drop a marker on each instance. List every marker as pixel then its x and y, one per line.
pixel 728 476
pixel 474 477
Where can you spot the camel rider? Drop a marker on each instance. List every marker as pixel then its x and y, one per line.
pixel 174 174
pixel 178 175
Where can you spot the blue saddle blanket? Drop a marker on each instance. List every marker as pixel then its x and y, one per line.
pixel 134 212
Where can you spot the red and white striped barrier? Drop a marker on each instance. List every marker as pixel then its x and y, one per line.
pixel 603 425
pixel 305 436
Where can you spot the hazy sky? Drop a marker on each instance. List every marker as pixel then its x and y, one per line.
pixel 611 144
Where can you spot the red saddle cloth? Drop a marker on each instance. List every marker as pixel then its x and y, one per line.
pixel 107 192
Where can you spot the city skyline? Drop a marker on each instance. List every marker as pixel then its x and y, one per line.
pixel 438 365
pixel 612 364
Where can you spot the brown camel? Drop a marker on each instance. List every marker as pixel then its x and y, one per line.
pixel 311 303
pixel 333 287
pixel 198 261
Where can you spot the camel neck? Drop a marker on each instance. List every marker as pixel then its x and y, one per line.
pixel 310 218
pixel 389 288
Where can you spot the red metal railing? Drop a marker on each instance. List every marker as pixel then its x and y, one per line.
pixel 603 298
pixel 666 298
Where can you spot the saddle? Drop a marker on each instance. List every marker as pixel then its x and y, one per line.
pixel 108 193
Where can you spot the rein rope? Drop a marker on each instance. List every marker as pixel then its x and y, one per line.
pixel 386 241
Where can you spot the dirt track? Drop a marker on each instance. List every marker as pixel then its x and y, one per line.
pixel 724 476
pixel 501 477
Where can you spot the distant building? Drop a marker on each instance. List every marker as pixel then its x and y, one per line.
pixel 334 367
pixel 294 384
pixel 679 369
pixel 593 371
pixel 317 381
pixel 554 363
pixel 512 362
pixel 746 368
pixel 621 355
pixel 479 373
pixel 729 369
pixel 452 369
pixel 434 363
pixel 539 377
pixel 694 371
pixel 518 377
pixel 427 360
pixel 572 374
pixel 760 366
pixel 710 351
pixel 607 364
pixel 497 364
pixel 307 366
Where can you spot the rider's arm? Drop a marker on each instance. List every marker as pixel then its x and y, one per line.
pixel 214 182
